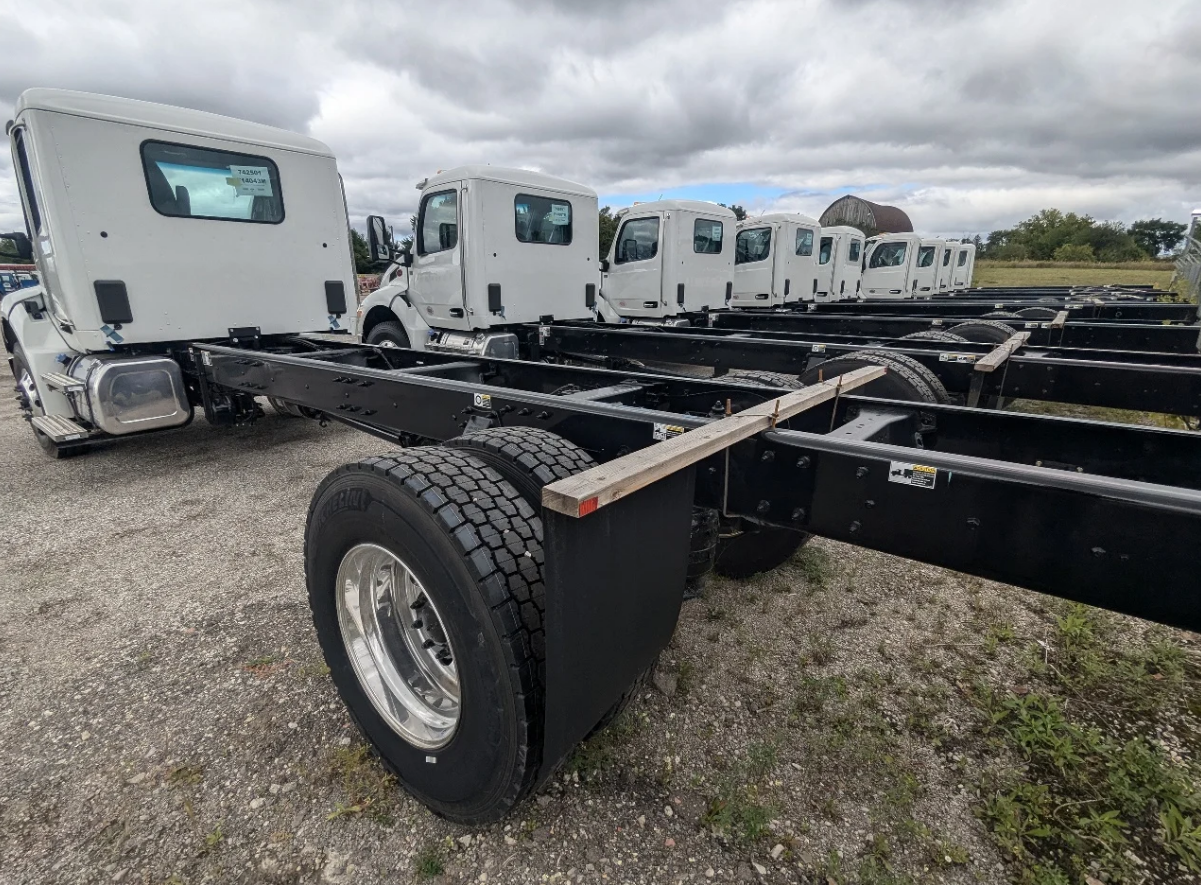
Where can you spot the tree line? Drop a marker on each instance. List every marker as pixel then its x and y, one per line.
pixel 1052 235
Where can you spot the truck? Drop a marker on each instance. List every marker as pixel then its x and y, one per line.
pixel 131 206
pixel 493 247
pixel 840 258
pixel 493 586
pixel 775 261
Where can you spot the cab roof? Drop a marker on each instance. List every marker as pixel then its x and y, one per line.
pixel 506 175
pixel 681 206
pixel 165 117
pixel 771 217
pixel 844 229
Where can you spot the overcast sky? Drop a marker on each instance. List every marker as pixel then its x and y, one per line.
pixel 970 116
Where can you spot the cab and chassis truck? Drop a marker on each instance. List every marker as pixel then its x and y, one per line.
pixel 489 589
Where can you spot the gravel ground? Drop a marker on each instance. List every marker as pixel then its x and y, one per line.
pixel 165 714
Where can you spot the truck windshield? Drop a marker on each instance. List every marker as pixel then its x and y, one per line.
pixel 925 256
pixel 752 245
pixel 195 182
pixel 827 247
pixel 542 220
pixel 706 236
pixel 888 255
pixel 638 240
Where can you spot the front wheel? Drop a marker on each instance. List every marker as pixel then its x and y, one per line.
pixel 387 334
pixel 31 406
pixel 424 571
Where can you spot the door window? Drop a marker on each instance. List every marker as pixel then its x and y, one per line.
pixel 826 250
pixel 438 224
pixel 853 253
pixel 193 182
pixel 752 245
pixel 925 256
pixel 963 258
pixel 804 241
pixel 946 257
pixel 888 255
pixel 638 240
pixel 542 220
pixel 31 200
pixel 706 236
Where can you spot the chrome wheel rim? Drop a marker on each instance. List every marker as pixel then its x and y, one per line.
pixel 398 646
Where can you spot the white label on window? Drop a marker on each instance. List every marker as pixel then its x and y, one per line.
pixel 716 235
pixel 913 474
pixel 666 431
pixel 251 181
pixel 560 214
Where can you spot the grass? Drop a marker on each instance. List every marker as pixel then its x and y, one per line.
pixel 428 863
pixel 1086 786
pixel 369 790
pixel 1054 273
pixel 185 775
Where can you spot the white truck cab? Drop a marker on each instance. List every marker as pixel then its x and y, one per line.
pixel 494 247
pixel 965 266
pixel 946 267
pixel 839 263
pixel 669 258
pixel 134 209
pixel 890 271
pixel 775 260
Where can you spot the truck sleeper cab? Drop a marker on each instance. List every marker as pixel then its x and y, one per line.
pixel 668 258
pixel 157 193
pixel 839 261
pixel 494 247
pixel 775 260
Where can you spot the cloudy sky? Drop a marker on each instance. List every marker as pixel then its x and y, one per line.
pixel 969 115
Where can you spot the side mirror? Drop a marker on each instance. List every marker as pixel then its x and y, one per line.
pixel 604 265
pixel 406 259
pixel 379 244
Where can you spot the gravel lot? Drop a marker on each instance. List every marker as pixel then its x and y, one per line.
pixel 165 714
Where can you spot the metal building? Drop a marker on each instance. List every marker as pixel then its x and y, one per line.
pixel 869 217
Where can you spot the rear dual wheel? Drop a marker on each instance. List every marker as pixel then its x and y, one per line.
pixel 424 571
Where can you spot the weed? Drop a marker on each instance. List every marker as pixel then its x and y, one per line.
pixel 185 775
pixel 1181 836
pixel 713 613
pixel 685 677
pixel 815 567
pixel 738 812
pixel 369 789
pixel 428 863
pixel 213 840
pixel 822 651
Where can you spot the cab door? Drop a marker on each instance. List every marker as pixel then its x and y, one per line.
pixel 945 268
pixel 753 266
pixel 825 269
pixel 887 273
pixel 925 269
pixel 436 280
pixel 633 285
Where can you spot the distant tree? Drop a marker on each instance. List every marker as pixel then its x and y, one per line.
pixel 362 255
pixel 1041 236
pixel 608 230
pixel 1156 236
pixel 739 212
pixel 1074 252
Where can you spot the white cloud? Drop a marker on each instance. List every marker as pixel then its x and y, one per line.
pixel 969 116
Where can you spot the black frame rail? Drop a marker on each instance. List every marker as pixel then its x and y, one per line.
pixel 1099 513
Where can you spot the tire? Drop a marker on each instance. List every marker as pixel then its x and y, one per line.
pixel 474 546
pixel 1037 313
pixel 758 549
pixel 31 409
pixel 624 701
pixel 285 409
pixel 766 379
pixel 1000 314
pixel 388 334
pixel 528 457
pixel 985 331
pixel 934 335
pixel 907 379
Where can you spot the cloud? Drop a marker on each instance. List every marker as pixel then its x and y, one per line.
pixel 970 116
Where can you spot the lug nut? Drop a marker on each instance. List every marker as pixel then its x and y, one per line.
pixel 763 507
pixel 418 624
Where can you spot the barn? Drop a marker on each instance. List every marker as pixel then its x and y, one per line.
pixel 869 217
